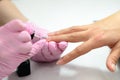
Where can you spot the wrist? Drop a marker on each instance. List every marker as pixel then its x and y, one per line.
pixel 113 19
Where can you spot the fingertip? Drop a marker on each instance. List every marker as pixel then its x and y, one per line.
pixel 54 38
pixel 111 66
pixel 60 62
pixel 48 38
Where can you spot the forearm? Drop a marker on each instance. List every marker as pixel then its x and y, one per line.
pixel 8 12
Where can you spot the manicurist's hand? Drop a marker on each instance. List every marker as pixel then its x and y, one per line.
pixel 105 32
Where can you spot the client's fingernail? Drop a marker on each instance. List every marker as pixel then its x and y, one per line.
pixel 113 67
pixel 60 62
pixel 48 38
pixel 50 34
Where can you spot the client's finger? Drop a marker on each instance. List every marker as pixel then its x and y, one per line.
pixel 71 37
pixel 69 30
pixel 80 50
pixel 113 58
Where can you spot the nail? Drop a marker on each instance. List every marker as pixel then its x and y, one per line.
pixel 113 66
pixel 60 62
pixel 50 34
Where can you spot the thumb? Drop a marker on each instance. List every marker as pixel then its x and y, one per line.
pixel 37 47
pixel 113 58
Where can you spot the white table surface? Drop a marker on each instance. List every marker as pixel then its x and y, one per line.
pixel 58 14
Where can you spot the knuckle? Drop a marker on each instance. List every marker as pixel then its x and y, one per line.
pixel 72 36
pixel 74 28
pixel 114 59
pixel 100 38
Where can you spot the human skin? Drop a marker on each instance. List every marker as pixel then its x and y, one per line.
pixel 105 32
pixel 99 32
pixel 8 12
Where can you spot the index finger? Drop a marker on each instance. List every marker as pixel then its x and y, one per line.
pixel 68 30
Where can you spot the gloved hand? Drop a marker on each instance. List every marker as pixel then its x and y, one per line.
pixel 50 51
pixel 15 46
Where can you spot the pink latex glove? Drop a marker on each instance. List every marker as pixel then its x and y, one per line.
pixel 51 51
pixel 15 46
